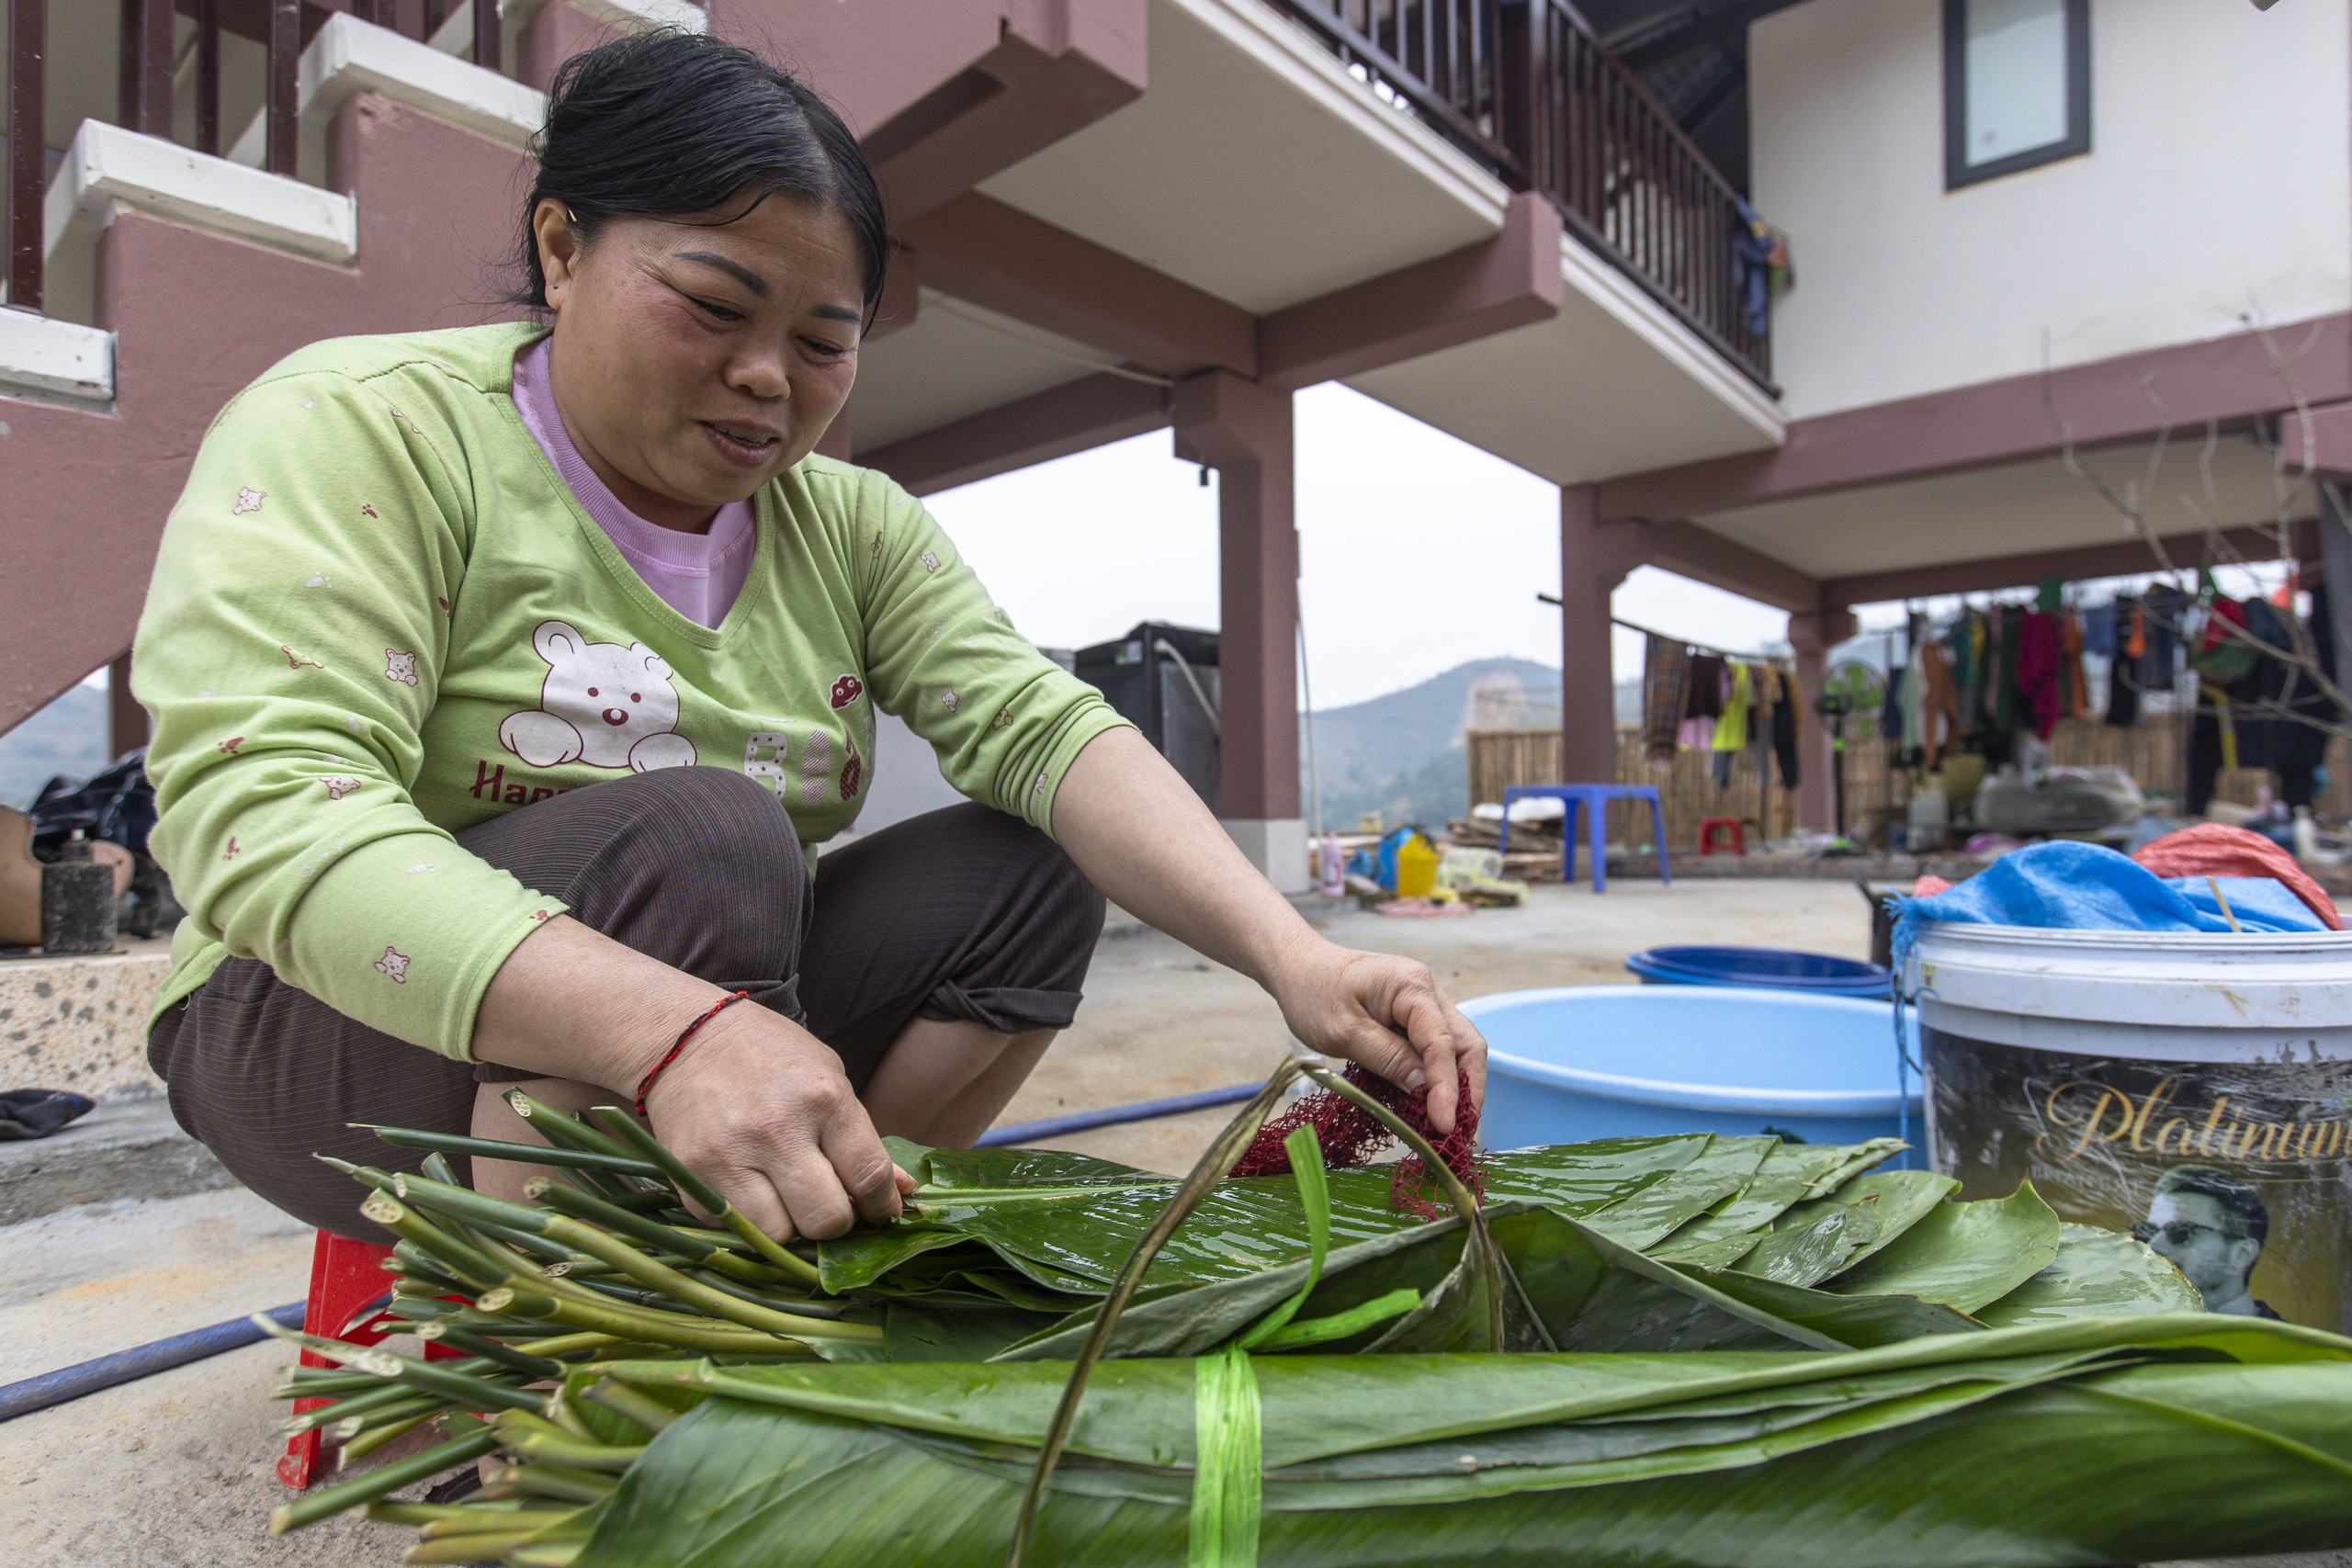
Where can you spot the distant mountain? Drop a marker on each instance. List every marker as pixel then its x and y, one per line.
pixel 1401 754
pixel 69 735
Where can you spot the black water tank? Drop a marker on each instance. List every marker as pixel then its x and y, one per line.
pixel 1144 673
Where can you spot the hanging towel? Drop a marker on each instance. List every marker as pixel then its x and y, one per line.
pixel 1763 716
pixel 1666 683
pixel 1914 695
pixel 1705 698
pixel 1731 728
pixel 1785 718
pixel 2009 632
pixel 2078 694
pixel 2041 650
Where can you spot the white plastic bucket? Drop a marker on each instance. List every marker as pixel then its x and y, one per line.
pixel 2196 1086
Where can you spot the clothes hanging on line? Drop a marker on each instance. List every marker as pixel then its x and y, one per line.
pixel 1665 685
pixel 1695 698
pixel 2126 638
pixel 1731 725
pixel 1984 675
pixel 1940 727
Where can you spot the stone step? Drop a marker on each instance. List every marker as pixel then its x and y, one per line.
pixel 80 1022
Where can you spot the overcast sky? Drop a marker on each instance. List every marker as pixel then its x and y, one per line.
pixel 1419 552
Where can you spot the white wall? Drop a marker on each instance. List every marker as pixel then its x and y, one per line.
pixel 2218 183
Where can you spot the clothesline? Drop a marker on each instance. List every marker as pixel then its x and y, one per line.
pixel 1701 646
pixel 1553 600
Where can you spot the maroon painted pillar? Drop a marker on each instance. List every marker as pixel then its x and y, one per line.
pixel 1243 431
pixel 1593 562
pixel 126 720
pixel 1811 634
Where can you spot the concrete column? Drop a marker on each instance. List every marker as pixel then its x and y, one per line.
pixel 1811 634
pixel 1243 431
pixel 1593 562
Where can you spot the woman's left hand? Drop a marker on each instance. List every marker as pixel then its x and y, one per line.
pixel 1386 1012
pixel 1143 837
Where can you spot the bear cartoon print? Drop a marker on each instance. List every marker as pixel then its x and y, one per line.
pixel 608 704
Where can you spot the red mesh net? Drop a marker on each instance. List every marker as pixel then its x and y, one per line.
pixel 1350 1136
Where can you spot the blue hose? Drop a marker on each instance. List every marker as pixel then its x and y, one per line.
pixel 129 1366
pixel 1142 1110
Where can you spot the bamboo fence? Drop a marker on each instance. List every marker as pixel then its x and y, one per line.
pixel 2154 751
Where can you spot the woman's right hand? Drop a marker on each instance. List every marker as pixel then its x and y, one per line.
pixel 756 1104
pixel 760 1108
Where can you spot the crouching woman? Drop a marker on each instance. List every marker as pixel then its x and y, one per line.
pixel 504 679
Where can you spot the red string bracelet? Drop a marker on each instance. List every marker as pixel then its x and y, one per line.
pixel 645 1084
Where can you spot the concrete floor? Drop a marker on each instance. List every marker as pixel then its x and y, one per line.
pixel 1159 1020
pixel 175 1471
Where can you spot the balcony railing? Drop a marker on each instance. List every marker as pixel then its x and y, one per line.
pixel 1526 88
pixel 145 99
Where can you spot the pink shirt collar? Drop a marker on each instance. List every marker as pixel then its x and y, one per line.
pixel 698 575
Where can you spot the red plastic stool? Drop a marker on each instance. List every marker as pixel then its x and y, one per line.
pixel 1729 827
pixel 346 1277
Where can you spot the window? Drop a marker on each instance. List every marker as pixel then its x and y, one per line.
pixel 2016 85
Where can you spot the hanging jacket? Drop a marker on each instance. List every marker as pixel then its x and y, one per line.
pixel 2123 673
pixel 2163 611
pixel 1786 718
pixel 2010 630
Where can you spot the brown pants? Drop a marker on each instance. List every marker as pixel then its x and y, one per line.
pixel 964 913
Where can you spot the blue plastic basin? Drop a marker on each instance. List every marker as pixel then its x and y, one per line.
pixel 1776 968
pixel 1581 1062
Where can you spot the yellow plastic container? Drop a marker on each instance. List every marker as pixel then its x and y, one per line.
pixel 1416 862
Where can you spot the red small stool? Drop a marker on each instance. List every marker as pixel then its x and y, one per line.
pixel 346 1277
pixel 1731 831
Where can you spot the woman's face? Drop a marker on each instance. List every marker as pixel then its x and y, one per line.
pixel 694 362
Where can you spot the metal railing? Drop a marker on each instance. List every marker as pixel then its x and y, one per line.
pixel 1436 59
pixel 1527 87
pixel 144 100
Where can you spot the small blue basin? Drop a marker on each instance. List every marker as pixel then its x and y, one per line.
pixel 1779 968
pixel 1579 1062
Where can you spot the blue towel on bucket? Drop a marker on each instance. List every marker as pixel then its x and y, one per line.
pixel 2065 886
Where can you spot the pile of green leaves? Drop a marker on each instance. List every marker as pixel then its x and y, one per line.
pixel 2093 1441
pixel 1661 1349
pixel 1012 1247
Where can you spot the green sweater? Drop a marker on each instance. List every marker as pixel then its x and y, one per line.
pixel 379 618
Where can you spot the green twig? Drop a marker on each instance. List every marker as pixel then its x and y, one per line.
pixel 385 1479
pixel 520 1153
pixel 623 1127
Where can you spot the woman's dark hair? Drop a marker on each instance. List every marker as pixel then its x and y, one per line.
pixel 664 123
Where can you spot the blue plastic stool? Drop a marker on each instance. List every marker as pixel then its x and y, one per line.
pixel 1588 800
